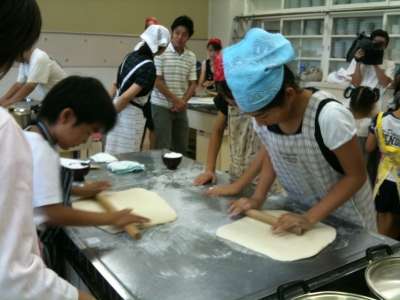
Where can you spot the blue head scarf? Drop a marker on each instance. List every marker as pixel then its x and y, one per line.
pixel 254 68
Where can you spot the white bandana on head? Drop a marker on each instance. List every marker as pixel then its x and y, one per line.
pixel 156 36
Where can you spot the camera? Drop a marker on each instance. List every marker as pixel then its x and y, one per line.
pixel 372 56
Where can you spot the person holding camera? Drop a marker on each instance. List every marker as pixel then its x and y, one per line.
pixel 364 70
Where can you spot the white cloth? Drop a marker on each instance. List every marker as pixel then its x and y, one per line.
pixel 103 158
pixel 46 175
pixel 362 126
pixel 125 166
pixel 23 274
pixel 303 170
pixel 41 69
pixel 156 36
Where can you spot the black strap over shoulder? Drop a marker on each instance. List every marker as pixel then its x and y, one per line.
pixel 136 104
pixel 328 154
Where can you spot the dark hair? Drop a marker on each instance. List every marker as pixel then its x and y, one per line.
pixel 216 46
pixel 145 50
pixel 184 21
pixel 20 24
pixel 224 90
pixel 288 81
pixel 362 98
pixel 86 96
pixel 381 33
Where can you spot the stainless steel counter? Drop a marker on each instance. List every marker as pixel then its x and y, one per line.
pixel 184 259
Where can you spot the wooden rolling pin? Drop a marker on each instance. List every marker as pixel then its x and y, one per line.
pixel 131 229
pixel 271 220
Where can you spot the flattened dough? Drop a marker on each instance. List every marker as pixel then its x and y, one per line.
pixel 284 246
pixel 143 202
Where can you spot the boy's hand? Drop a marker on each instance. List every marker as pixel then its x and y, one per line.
pixel 91 189
pixel 223 190
pixel 289 220
pixel 205 177
pixel 238 206
pixel 125 217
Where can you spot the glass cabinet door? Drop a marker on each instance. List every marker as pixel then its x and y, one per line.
pixel 392 51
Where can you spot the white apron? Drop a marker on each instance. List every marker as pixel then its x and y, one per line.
pixel 306 175
pixel 127 134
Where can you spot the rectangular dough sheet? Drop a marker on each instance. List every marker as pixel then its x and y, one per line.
pixel 143 202
pixel 283 246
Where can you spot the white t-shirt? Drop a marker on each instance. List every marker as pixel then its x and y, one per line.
pixel 368 73
pixel 23 274
pixel 41 69
pixel 46 175
pixel 335 136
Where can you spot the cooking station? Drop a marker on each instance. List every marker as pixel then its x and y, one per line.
pixel 185 259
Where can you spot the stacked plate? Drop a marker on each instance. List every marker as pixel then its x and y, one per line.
pixel 305 3
pixel 343 1
pixel 312 27
pixel 378 25
pixel 294 27
pixel 352 26
pixel 294 3
pixel 340 26
pixel 366 26
pixel 312 48
pixel 347 46
pixel 317 2
pixel 359 1
pixel 338 49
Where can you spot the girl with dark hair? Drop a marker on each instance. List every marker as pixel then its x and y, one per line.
pixel 384 133
pixel 135 81
pixel 214 47
pixel 309 137
pixel 362 106
pixel 244 143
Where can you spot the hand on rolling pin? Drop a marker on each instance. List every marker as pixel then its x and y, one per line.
pixel 125 217
pixel 91 189
pixel 223 190
pixel 238 206
pixel 290 220
pixel 205 177
pixel 208 83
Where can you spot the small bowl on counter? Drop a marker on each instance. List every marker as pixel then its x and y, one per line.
pixel 172 160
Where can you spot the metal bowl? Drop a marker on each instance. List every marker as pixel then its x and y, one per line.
pixel 383 274
pixel 316 296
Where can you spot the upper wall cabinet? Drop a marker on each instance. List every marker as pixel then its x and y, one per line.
pixel 322 31
pixel 269 6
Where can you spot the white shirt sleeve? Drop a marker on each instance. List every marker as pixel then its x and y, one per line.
pixel 23 274
pixel 158 62
pixel 39 73
pixel 390 68
pixel 192 72
pixel 22 76
pixel 337 125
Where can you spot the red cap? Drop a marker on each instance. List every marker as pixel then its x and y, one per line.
pixel 219 74
pixel 215 40
pixel 151 21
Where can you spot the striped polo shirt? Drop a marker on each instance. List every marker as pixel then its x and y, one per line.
pixel 176 70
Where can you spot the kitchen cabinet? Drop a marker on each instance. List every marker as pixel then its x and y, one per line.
pixel 322 31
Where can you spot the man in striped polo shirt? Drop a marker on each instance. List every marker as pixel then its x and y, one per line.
pixel 175 84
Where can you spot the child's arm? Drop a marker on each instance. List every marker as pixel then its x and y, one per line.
pixel 127 96
pixel 201 80
pixel 372 142
pixel 59 215
pixel 355 175
pixel 215 144
pixel 256 166
pixel 90 189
